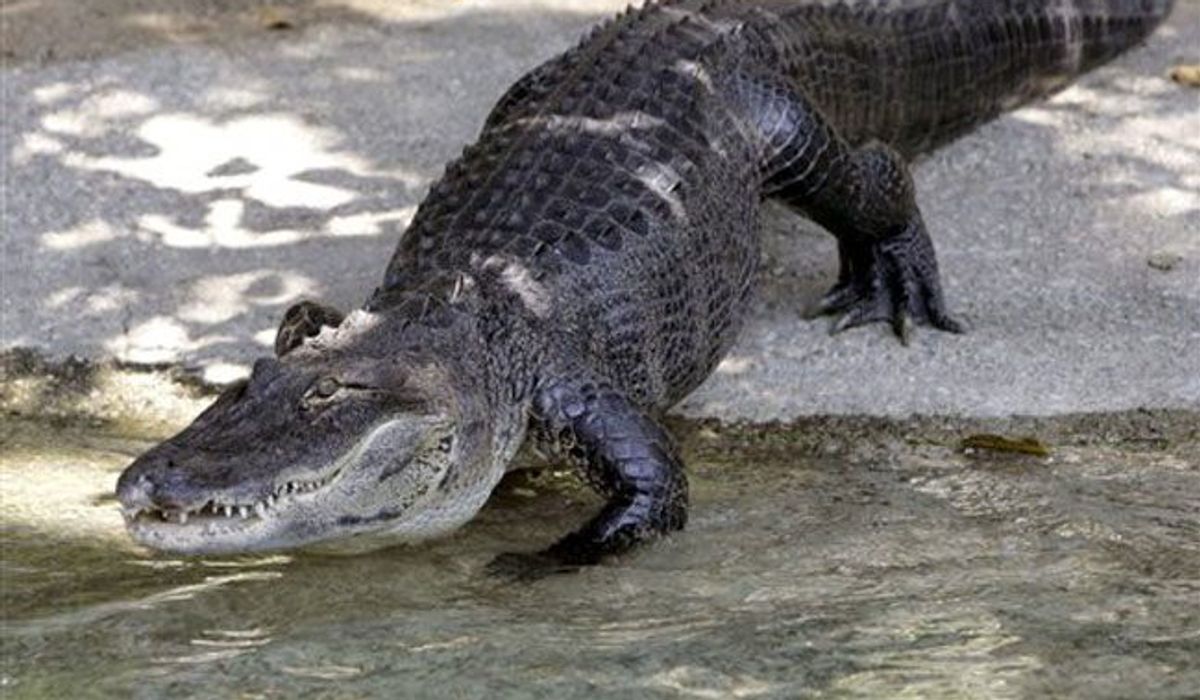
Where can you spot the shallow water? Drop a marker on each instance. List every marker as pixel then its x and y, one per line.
pixel 845 569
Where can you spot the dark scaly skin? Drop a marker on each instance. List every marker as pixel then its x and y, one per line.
pixel 625 178
pixel 589 261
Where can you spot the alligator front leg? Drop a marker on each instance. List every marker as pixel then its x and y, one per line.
pixel 625 454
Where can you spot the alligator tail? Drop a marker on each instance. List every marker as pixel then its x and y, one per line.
pixel 917 73
pixel 1110 27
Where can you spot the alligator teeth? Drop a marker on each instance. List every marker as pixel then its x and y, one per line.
pixel 260 509
pixel 228 511
pixel 244 511
pixel 271 500
pixel 181 517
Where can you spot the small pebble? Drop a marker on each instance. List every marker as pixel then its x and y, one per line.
pixel 1188 75
pixel 1164 261
pixel 275 19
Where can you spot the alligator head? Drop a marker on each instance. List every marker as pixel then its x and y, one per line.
pixel 341 435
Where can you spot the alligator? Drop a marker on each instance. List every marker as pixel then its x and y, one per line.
pixel 589 260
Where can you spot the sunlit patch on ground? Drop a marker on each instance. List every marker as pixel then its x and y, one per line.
pixel 277 148
pixel 230 173
pixel 64 493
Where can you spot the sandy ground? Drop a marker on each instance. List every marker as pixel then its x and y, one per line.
pixel 176 173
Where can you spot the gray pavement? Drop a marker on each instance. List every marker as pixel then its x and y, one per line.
pixel 166 205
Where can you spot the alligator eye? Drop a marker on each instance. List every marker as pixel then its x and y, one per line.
pixel 446 444
pixel 327 387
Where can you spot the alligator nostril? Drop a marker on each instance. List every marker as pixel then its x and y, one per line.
pixel 135 490
pixel 152 481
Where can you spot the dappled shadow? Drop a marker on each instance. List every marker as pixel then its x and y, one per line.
pixel 47 31
pixel 50 31
pixel 166 207
pixel 1046 222
pixel 1122 139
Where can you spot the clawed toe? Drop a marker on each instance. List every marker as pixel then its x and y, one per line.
pixel 836 300
pixel 903 317
pixel 860 313
pixel 950 324
pixel 894 281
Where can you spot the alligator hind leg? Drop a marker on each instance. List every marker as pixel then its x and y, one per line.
pixel 888 268
pixel 625 455
pixel 863 196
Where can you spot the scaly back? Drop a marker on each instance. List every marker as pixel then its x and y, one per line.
pixel 917 73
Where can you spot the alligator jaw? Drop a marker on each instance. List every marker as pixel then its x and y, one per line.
pixel 221 524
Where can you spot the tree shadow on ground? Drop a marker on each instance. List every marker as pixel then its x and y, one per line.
pixel 41 32
pixel 169 209
pixel 172 208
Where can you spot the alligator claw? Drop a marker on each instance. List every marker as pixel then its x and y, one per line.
pixel 858 314
pixel 837 299
pixel 893 280
pixel 570 554
pixel 303 321
pixel 902 326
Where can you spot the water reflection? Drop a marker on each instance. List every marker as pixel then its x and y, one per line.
pixel 912 571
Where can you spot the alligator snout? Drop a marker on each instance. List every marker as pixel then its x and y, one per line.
pixel 165 487
pixel 158 489
pixel 135 491
pixel 155 482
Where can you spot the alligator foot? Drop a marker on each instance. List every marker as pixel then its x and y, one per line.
pixel 568 555
pixel 616 530
pixel 526 566
pixel 895 280
pixel 625 454
pixel 302 321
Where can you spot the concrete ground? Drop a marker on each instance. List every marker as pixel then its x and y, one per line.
pixel 177 173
